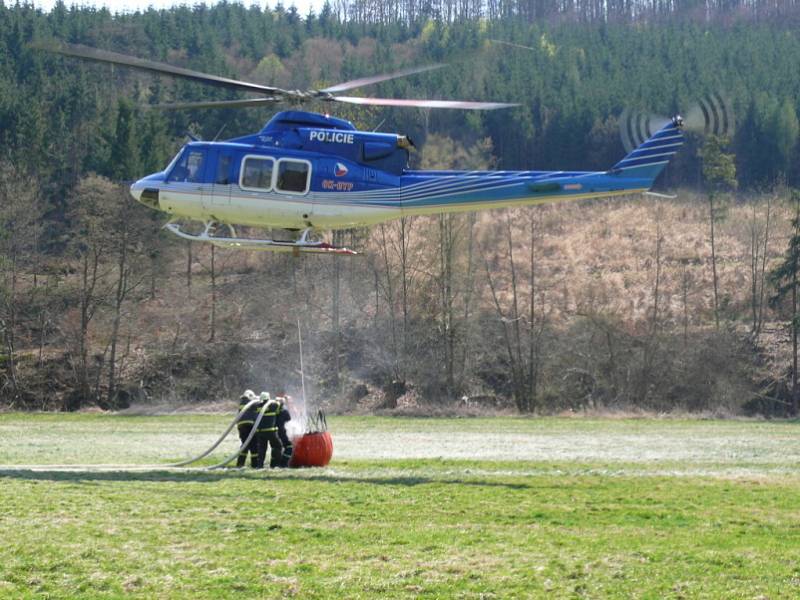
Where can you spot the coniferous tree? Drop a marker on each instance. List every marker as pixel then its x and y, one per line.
pixel 786 277
pixel 125 163
pixel 785 129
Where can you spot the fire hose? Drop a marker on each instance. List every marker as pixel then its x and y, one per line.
pixel 182 463
pixel 244 445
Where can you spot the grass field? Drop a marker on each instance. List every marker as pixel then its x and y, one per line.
pixel 465 508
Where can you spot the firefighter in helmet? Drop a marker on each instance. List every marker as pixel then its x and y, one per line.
pixel 245 425
pixel 284 416
pixel 267 433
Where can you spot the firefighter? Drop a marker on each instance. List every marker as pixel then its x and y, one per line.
pixel 267 433
pixel 284 417
pixel 245 425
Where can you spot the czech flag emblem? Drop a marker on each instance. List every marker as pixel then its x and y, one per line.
pixel 340 170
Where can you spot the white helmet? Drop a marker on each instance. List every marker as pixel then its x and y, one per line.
pixel 264 396
pixel 250 394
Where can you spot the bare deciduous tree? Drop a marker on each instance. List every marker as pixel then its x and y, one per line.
pixel 20 214
pixel 91 240
pixel 759 229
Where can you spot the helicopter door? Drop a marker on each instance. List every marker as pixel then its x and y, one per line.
pixel 223 178
pixel 292 177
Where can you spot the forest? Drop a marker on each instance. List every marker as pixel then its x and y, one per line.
pixel 641 303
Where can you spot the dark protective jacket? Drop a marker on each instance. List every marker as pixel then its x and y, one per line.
pixel 283 418
pixel 269 422
pixel 249 417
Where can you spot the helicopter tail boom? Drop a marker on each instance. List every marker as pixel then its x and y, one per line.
pixel 649 158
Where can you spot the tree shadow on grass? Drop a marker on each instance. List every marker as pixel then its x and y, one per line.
pixel 412 481
pixel 76 476
pixel 200 476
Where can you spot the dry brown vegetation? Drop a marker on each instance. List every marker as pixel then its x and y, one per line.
pixel 617 314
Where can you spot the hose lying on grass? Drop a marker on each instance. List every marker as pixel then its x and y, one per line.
pixel 236 419
pixel 182 463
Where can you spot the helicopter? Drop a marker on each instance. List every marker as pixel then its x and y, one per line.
pixel 307 172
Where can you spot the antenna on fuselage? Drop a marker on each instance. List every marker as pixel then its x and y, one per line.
pixel 219 133
pixel 192 136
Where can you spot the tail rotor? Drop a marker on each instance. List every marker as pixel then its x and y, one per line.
pixel 711 115
pixel 635 127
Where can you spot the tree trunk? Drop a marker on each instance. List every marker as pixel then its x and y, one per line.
pixel 512 359
pixel 795 324
pixel 712 218
pixel 533 342
pixel 760 319
pixel 685 298
pixel 213 327
pixel 389 293
pixel 469 293
pixel 446 298
pixel 91 261
pixel 405 225
pixel 795 316
pixel 10 328
pixel 153 269
pixel 519 388
pixel 119 297
pixel 755 248
pixel 189 264
pixel 651 343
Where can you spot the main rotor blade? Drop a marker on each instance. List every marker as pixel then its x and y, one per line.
pixel 104 56
pixel 243 103
pixel 459 104
pixel 356 83
pixel 511 44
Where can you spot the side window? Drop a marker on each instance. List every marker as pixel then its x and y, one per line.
pixel 195 166
pixel 224 169
pixel 256 173
pixel 293 176
pixel 189 168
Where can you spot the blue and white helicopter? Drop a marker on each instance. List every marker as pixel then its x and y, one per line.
pixel 306 172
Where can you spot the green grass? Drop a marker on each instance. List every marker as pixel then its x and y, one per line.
pixel 720 520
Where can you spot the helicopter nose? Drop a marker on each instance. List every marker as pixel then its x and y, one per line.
pixel 136 190
pixel 146 195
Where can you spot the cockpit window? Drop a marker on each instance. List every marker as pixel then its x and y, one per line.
pixel 293 176
pixel 257 173
pixel 189 168
pixel 173 161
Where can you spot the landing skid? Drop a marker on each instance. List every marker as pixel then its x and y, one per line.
pixel 301 245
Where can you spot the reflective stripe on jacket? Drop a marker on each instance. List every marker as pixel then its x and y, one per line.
pixel 249 417
pixel 269 422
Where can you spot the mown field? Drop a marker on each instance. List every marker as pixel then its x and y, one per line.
pixel 465 508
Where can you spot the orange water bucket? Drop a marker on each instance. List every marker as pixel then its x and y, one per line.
pixel 312 450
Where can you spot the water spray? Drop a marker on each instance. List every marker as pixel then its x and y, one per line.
pixel 314 446
pixel 302 369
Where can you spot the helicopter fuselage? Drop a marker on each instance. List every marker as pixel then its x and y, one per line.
pixel 305 170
